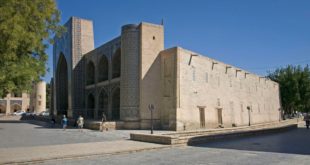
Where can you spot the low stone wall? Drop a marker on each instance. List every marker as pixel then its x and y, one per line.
pixel 203 136
pixel 110 125
pixel 159 139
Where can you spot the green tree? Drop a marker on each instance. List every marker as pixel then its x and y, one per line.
pixel 294 87
pixel 26 29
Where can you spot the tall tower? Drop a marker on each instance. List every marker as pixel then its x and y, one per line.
pixel 38 97
pixel 69 76
pixel 140 73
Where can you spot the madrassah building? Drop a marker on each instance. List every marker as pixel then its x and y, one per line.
pixel 123 76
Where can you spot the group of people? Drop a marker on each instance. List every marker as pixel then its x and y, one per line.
pixel 64 122
pixel 79 123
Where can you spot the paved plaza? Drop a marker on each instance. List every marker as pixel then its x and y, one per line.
pixel 286 148
pixel 34 133
pixel 36 141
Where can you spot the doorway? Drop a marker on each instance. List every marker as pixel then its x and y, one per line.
pixel 220 117
pixel 202 116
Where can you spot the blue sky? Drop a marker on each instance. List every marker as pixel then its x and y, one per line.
pixel 256 35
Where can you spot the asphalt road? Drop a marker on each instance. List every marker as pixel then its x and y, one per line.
pixel 291 148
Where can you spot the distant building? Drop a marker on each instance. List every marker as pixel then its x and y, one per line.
pixel 14 102
pixel 33 102
pixel 123 76
pixel 38 97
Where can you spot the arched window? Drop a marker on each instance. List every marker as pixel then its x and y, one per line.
pixel 116 64
pixel 103 104
pixel 90 106
pixel 90 73
pixel 103 72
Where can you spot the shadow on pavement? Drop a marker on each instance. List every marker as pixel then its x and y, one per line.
pixel 12 121
pixel 40 124
pixel 295 141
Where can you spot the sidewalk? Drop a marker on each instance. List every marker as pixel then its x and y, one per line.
pixel 41 153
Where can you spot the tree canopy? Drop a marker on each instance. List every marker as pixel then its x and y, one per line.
pixel 294 87
pixel 26 29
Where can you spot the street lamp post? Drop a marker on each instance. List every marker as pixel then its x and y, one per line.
pixel 249 112
pixel 151 108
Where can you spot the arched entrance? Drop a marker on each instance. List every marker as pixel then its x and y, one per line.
pixel 116 64
pixel 116 104
pixel 15 108
pixel 62 86
pixel 2 108
pixel 103 72
pixel 103 104
pixel 90 106
pixel 90 73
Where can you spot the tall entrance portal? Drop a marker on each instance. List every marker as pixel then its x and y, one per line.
pixel 62 86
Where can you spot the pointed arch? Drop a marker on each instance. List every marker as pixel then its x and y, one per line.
pixel 90 73
pixel 103 69
pixel 116 64
pixel 62 85
pixel 103 104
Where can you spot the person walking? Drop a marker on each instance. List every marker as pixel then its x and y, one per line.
pixel 64 122
pixel 103 120
pixel 80 123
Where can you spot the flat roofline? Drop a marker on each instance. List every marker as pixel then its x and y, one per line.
pixel 217 61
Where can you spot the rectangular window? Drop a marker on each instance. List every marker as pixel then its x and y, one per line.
pixel 207 77
pixel 39 103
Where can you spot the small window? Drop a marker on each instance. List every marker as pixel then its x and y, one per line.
pixel 154 38
pixel 207 77
pixel 39 103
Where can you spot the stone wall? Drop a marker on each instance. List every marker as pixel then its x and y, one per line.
pixel 169 86
pixel 102 86
pixel 130 43
pixel 244 98
pixel 152 42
